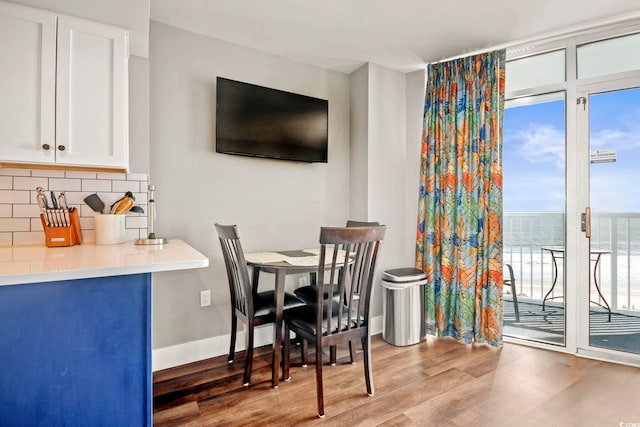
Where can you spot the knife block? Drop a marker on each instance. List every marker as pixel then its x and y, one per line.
pixel 63 235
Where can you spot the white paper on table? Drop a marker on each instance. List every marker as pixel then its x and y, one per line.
pixel 264 257
pixel 302 261
pixel 305 261
pixel 328 252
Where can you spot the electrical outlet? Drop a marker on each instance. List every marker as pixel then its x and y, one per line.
pixel 205 298
pixel 303 280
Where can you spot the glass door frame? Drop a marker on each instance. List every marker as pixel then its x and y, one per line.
pixel 582 263
pixel 577 251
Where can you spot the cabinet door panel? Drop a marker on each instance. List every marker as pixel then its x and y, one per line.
pixel 91 95
pixel 27 84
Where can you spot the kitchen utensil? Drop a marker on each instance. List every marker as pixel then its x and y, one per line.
pixel 137 209
pixel 127 194
pixel 123 206
pixel 62 201
pixel 41 203
pixel 95 202
pixel 54 200
pixel 64 207
pixel 56 212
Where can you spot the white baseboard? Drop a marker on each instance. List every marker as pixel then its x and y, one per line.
pixel 193 351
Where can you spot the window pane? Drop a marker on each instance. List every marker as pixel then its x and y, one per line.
pixel 609 56
pixel 534 71
pixel 534 216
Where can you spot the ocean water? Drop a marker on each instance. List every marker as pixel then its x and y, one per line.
pixel 618 273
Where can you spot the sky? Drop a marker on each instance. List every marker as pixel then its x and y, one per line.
pixel 534 155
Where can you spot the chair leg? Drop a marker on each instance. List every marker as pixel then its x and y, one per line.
pixel 352 352
pixel 248 363
pixel 304 350
pixel 319 389
pixel 232 345
pixel 368 373
pixel 514 292
pixel 286 353
pixel 515 301
pixel 332 355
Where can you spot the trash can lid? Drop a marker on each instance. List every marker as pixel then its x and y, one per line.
pixel 404 275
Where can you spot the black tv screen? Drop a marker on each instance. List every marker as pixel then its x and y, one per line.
pixel 258 121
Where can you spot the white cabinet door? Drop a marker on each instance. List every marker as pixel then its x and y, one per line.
pixel 27 84
pixel 92 95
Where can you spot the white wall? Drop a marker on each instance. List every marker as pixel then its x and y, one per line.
pixel 372 174
pixel 415 91
pixel 276 204
pixel 359 142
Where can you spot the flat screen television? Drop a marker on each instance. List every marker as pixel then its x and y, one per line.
pixel 258 121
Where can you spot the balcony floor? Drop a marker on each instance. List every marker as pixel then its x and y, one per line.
pixel 622 333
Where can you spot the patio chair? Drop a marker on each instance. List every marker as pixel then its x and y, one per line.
pixel 511 281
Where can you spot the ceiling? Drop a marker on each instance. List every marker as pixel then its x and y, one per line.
pixel 401 34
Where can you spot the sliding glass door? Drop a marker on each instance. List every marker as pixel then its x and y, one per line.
pixel 611 122
pixel 571 162
pixel 534 217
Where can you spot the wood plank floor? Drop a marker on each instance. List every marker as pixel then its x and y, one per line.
pixel 436 383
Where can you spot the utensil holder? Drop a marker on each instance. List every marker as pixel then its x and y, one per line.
pixel 110 229
pixel 66 235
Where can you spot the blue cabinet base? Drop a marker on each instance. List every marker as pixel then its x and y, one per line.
pixel 76 352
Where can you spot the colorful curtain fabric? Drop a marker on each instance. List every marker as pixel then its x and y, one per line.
pixel 459 238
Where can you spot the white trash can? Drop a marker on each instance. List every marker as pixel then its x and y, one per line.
pixel 403 306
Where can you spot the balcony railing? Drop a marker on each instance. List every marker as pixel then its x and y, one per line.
pixel 525 234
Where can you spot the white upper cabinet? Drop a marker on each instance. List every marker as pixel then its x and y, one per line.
pixel 91 96
pixel 66 106
pixel 27 84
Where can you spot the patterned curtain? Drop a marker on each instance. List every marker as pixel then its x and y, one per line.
pixel 459 238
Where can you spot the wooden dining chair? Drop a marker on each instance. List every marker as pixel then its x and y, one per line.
pixel 252 307
pixel 308 294
pixel 329 322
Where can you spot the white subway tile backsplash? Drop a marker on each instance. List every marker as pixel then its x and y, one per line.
pixel 135 221
pixel 137 177
pixel 36 224
pixel 14 172
pixel 20 215
pixel 131 234
pixel 86 223
pixel 30 182
pixel 81 174
pixel 48 173
pixel 124 186
pixel 6 211
pixel 6 183
pixel 111 176
pixel 10 196
pixel 89 235
pixel 95 185
pixel 28 238
pixel 6 239
pixel 26 211
pixel 15 224
pixel 65 184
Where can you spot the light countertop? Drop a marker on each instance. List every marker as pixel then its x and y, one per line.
pixel 32 264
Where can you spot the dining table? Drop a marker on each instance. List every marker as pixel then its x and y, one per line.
pixel 557 252
pixel 281 263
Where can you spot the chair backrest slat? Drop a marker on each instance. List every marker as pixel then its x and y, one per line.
pixel 237 271
pixel 354 275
